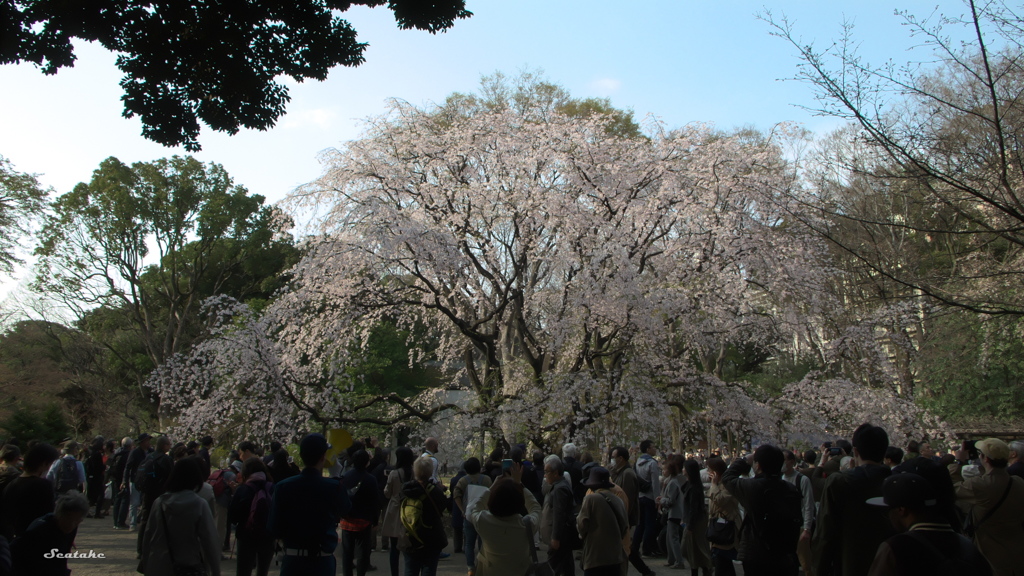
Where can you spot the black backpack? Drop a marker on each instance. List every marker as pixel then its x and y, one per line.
pixel 778 518
pixel 152 474
pixel 67 475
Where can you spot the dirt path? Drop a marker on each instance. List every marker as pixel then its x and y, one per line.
pixel 118 547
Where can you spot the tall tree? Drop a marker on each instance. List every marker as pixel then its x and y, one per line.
pixel 568 272
pixel 22 201
pixel 186 62
pixel 145 244
pixel 943 152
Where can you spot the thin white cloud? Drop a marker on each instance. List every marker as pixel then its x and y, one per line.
pixel 321 118
pixel 605 86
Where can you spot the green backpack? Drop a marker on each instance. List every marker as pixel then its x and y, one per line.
pixel 420 532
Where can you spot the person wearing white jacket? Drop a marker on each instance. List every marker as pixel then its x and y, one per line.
pixel 499 520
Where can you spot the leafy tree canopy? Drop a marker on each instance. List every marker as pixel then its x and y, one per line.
pixel 139 247
pixel 21 200
pixel 214 62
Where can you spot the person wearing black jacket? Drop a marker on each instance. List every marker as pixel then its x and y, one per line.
pixel 759 559
pixel 255 545
pixel 40 550
pixel 118 486
pixel 159 472
pixel 458 519
pixel 423 560
pixel 95 476
pixel 135 458
pixel 356 526
pixel 558 525
pixel 574 467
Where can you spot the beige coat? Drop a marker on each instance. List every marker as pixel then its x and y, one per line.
pixel 392 527
pixel 504 550
pixel 1000 538
pixel 602 523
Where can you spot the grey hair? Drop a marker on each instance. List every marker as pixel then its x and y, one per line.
pixel 556 464
pixel 1018 447
pixel 71 502
pixel 423 468
pixel 127 441
pixel 570 450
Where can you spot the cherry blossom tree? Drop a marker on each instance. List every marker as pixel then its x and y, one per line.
pixel 567 273
pixel 575 279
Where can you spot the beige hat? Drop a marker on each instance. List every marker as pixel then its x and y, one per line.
pixel 994 449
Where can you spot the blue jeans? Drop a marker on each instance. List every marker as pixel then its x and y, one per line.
pixel 134 502
pixel 421 563
pixel 469 545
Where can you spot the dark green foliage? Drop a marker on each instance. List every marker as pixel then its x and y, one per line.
pixel 139 248
pixel 186 62
pixel 383 365
pixel 46 425
pixel 972 368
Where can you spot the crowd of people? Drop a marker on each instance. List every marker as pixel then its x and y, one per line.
pixel 854 507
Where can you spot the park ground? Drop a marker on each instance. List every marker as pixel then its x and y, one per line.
pixel 118 547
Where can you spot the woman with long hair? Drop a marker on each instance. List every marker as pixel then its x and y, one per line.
pixel 723 508
pixel 392 528
pixel 506 524
pixel 695 517
pixel 180 531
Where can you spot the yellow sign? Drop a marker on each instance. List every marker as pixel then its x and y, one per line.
pixel 340 440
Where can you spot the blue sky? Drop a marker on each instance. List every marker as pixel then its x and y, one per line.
pixel 680 60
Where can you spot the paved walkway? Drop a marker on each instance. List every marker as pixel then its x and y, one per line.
pixel 118 548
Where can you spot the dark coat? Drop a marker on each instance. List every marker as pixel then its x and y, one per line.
pixel 625 478
pixel 848 530
pixel 28 552
pixel 305 511
pixel 557 521
pixel 752 493
pixel 434 537
pixel 362 489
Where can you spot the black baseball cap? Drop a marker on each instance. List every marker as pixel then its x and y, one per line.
pixel 906 490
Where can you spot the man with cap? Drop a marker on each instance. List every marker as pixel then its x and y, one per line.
pixel 305 513
pixel 996 502
pixel 602 524
pixel 926 543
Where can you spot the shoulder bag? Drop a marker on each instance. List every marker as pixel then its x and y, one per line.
pixel 971 527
